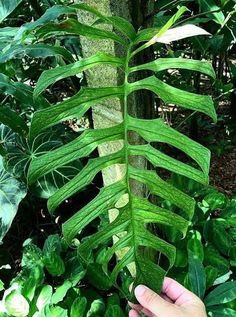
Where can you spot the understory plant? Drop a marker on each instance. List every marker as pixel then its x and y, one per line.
pixel 30 294
pixel 150 253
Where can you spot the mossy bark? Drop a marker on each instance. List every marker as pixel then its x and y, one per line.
pixel 109 113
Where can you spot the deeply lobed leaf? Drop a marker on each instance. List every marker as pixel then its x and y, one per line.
pixel 135 213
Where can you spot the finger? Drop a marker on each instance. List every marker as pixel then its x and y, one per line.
pixel 140 308
pixel 165 297
pixel 135 306
pixel 177 292
pixel 153 302
pixel 133 313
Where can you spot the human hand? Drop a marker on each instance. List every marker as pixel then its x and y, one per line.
pixel 175 301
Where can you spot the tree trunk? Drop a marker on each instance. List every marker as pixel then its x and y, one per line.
pixel 109 113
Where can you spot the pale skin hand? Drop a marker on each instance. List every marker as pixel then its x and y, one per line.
pixel 175 301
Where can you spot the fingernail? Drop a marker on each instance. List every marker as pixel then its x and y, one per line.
pixel 139 290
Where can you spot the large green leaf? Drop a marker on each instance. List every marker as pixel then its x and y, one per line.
pixel 11 194
pixel 134 212
pixel 19 155
pixel 222 294
pixel 6 7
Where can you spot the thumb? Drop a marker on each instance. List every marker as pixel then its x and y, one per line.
pixel 153 302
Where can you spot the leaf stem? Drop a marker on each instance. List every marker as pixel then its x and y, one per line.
pixel 126 93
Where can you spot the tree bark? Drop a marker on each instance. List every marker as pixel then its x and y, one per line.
pixel 109 113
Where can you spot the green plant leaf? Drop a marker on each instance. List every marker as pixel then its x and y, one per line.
pixel 216 231
pixel 210 5
pixel 53 311
pixel 51 76
pixel 74 272
pixel 6 8
pixel 179 63
pixel 54 264
pixel 97 309
pixel 222 279
pixel 221 294
pixel 52 244
pixel 78 307
pixel 2 150
pixel 159 159
pixel 22 92
pixel 1 286
pixel 211 276
pixel 172 21
pixel 172 137
pixel 146 35
pixel 15 304
pixel 11 194
pixel 20 153
pixel 73 225
pixel 84 178
pixel 221 311
pixel 214 258
pixel 51 14
pixel 114 311
pixel 13 120
pixel 197 276
pixel 174 95
pixel 61 292
pixel 32 255
pixel 134 213
pixel 216 200
pixel 119 23
pixel 35 51
pixel 195 245
pixel 44 297
pixel 76 106
pixel 74 27
pixel 80 147
pixel 97 277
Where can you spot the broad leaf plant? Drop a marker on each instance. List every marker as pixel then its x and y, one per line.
pixel 136 215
